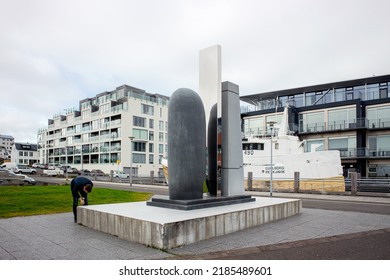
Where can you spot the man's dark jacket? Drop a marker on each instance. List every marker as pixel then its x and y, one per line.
pixel 77 186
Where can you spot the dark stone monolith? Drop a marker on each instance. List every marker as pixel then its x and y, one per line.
pixel 212 155
pixel 186 145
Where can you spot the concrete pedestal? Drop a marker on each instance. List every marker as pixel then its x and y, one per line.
pixel 165 228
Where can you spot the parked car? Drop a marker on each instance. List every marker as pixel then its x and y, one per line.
pixel 97 172
pixel 43 166
pixel 85 172
pixel 69 169
pixel 26 169
pixel 53 172
pixel 73 170
pixel 53 166
pixel 120 174
pixel 6 175
pixel 11 166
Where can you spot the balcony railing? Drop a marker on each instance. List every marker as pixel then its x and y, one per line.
pixel 354 153
pixel 363 153
pixel 332 126
pixel 379 153
pixel 379 123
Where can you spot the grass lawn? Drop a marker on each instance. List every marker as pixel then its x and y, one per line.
pixel 38 200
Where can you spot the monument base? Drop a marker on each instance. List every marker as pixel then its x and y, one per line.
pixel 206 202
pixel 165 228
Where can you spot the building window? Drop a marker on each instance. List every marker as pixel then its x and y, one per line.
pixel 151 136
pixel 311 122
pixel 310 98
pixel 147 109
pixel 139 158
pixel 349 93
pixel 161 137
pixel 254 126
pixel 379 146
pixel 372 92
pixel 383 90
pixel 139 146
pixel 151 148
pixel 342 118
pixel 298 100
pixel 358 92
pixel 161 125
pixel 314 145
pixel 346 145
pixel 151 123
pixel 138 121
pixel 328 96
pixel 140 134
pixel 339 94
pixel 151 159
pixel 378 117
pixel 161 148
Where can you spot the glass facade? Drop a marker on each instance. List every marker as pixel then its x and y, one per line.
pixel 341 118
pixel 312 122
pixel 378 117
pixel 379 146
pixel 346 145
pixel 314 145
pixel 254 126
pixel 370 91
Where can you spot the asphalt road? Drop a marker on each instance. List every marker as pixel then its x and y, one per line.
pixel 369 245
pixel 364 207
pixel 354 206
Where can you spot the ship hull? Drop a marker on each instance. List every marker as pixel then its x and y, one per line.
pixel 318 171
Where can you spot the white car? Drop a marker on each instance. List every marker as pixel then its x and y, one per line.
pixel 120 174
pixel 26 169
pixel 53 172
pixel 53 166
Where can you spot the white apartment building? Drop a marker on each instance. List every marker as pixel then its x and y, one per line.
pixel 24 153
pixel 6 143
pixel 98 134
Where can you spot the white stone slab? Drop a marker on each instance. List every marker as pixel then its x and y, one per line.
pixel 140 211
pixel 166 228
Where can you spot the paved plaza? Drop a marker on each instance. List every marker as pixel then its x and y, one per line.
pixel 47 237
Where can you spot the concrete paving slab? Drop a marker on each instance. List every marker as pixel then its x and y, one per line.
pixel 77 242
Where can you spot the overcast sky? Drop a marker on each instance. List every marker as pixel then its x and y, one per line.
pixel 55 53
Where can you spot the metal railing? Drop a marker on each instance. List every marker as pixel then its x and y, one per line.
pixel 377 185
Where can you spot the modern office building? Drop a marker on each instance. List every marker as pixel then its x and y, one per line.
pixel 351 116
pixel 24 153
pixel 98 134
pixel 6 143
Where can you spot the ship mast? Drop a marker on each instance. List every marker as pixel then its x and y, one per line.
pixel 283 127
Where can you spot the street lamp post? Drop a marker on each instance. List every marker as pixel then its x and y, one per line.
pixel 66 162
pixel 271 126
pixel 131 161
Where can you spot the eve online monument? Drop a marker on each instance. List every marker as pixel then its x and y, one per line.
pixel 187 215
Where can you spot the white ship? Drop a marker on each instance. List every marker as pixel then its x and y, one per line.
pixel 319 170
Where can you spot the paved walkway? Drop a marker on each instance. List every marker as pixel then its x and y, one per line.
pixel 57 237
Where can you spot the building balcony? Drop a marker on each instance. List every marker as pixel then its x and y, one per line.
pixel 359 123
pixel 363 153
pixel 379 153
pixel 354 153
pixel 379 123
